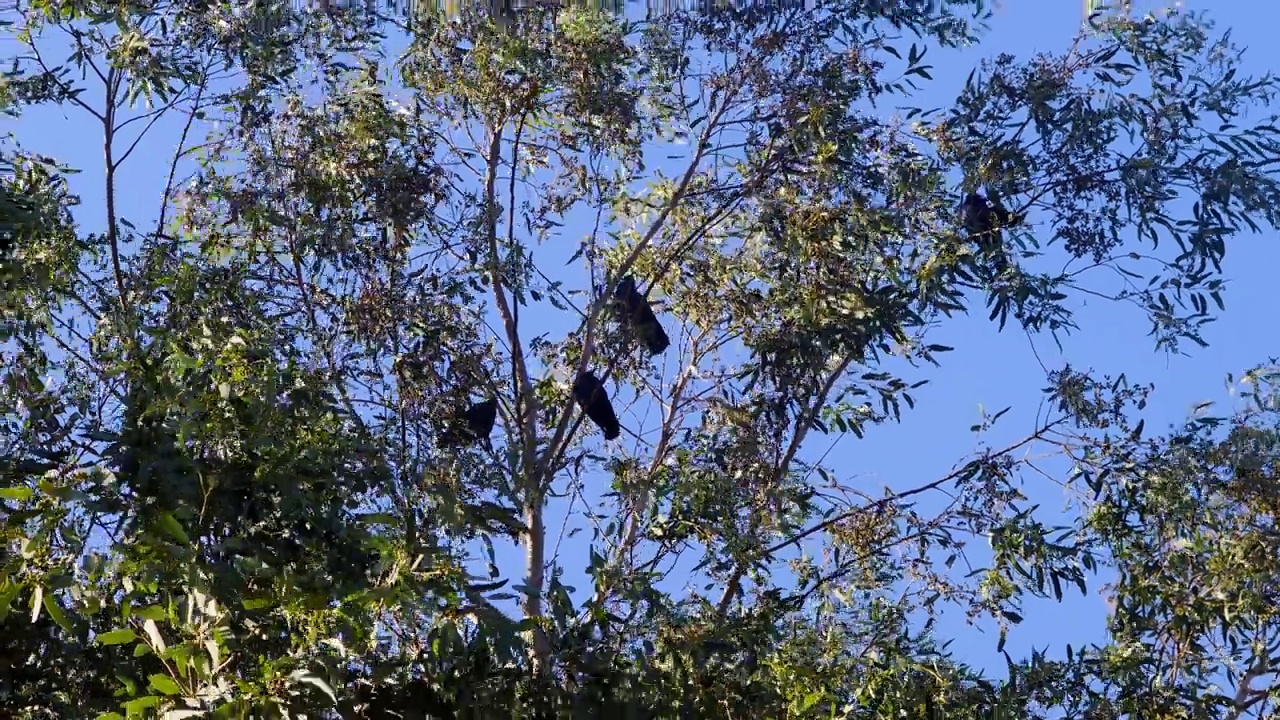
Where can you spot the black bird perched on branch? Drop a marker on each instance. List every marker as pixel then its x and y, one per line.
pixel 983 219
pixel 474 423
pixel 594 401
pixel 635 311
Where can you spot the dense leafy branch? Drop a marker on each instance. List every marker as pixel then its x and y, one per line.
pixel 277 455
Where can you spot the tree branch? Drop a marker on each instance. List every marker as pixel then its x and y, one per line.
pixel 803 423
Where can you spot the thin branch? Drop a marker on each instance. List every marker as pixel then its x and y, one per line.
pixel 108 151
pixel 876 505
pixel 803 423
pixel 65 88
pixel 178 152
pixel 556 448
pixel 155 117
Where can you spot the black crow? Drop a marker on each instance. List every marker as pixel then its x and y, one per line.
pixel 474 423
pixel 637 313
pixel 594 400
pixel 983 219
pixel 976 214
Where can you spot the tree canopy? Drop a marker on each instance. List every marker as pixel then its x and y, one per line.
pixel 462 368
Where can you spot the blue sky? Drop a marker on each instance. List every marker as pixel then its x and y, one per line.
pixel 1001 369
pixel 987 369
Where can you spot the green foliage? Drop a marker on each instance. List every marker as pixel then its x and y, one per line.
pixel 222 489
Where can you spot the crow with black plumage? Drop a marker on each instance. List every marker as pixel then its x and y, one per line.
pixel 474 423
pixel 984 218
pixel 636 312
pixel 976 214
pixel 591 396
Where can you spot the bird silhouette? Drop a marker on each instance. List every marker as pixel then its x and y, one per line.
pixel 474 423
pixel 590 394
pixel 637 313
pixel 983 219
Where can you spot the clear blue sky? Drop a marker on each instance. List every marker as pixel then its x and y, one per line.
pixel 987 368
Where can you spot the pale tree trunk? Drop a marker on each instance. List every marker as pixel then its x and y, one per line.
pixel 526 409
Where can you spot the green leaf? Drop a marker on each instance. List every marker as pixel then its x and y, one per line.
pixel 173 528
pixel 150 612
pixel 56 612
pixel 16 493
pixel 7 594
pixel 117 637
pixel 164 684
pixel 136 707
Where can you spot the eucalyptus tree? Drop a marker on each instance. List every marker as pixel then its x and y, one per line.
pixel 279 439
